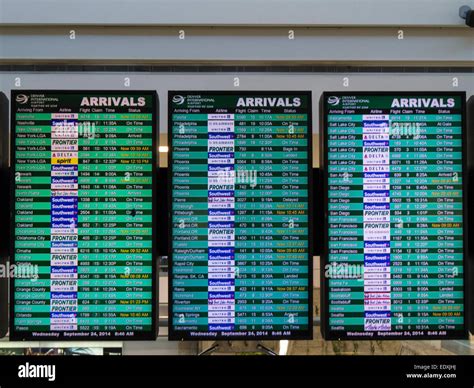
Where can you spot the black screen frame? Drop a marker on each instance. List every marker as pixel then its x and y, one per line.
pixel 139 336
pixel 323 106
pixel 177 335
pixel 4 212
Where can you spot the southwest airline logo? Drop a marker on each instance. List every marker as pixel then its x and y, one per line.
pixel 178 100
pixel 333 100
pixel 22 98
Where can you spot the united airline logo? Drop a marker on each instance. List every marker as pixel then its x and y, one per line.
pixel 22 98
pixel 333 100
pixel 178 100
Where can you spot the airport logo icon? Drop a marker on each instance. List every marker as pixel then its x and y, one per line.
pixel 333 100
pixel 22 99
pixel 179 100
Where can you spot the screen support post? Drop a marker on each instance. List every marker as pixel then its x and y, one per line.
pixel 209 351
pixel 238 347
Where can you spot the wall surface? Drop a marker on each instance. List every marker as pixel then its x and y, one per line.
pixel 427 46
pixel 232 12
pixel 397 32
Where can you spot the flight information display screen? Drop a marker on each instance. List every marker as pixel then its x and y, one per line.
pixel 240 204
pixel 394 254
pixel 83 215
pixel 4 210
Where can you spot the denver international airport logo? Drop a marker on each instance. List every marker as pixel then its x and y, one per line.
pixel 22 98
pixel 333 100
pixel 179 100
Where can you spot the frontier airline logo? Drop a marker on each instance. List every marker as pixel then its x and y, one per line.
pixel 22 98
